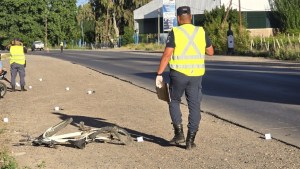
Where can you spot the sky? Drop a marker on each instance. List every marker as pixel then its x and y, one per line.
pixel 80 2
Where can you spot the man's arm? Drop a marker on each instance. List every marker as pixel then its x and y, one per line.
pixel 1 66
pixel 165 59
pixel 170 45
pixel 210 50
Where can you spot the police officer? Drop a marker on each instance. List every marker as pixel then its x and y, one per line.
pixel 185 52
pixel 61 47
pixel 17 64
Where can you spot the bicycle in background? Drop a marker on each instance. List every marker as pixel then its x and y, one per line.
pixel 3 87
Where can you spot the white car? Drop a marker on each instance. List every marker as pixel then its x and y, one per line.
pixel 37 45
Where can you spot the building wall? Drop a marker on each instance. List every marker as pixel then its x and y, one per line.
pixel 152 9
pixel 256 13
pixel 260 19
pixel 248 5
pixel 149 26
pixel 149 10
pixel 258 23
pixel 199 6
pixel 264 32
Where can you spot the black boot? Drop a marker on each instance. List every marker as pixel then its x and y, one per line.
pixel 23 89
pixel 190 140
pixel 179 136
pixel 13 88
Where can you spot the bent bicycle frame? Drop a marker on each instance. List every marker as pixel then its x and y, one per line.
pixel 81 138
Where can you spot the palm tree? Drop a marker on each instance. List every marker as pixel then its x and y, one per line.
pixel 110 15
pixel 85 14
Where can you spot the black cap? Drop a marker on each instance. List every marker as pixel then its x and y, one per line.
pixel 183 10
pixel 18 39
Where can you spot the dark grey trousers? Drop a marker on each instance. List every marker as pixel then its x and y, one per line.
pixel 191 85
pixel 14 69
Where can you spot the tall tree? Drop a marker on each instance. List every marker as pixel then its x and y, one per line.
pixel 113 15
pixel 288 13
pixel 86 22
pixel 62 24
pixel 212 22
pixel 32 20
pixel 20 19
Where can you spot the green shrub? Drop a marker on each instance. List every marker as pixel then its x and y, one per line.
pixel 6 161
pixel 218 34
pixel 282 47
pixel 287 53
pixel 127 38
pixel 287 12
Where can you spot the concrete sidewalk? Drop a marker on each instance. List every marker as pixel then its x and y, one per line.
pixel 219 144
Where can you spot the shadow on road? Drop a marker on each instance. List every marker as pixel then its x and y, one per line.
pixel 99 122
pixel 251 81
pixel 276 82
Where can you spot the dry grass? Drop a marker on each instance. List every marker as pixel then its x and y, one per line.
pixel 279 47
pixel 146 46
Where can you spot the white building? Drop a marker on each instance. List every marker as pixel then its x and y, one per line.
pixel 257 14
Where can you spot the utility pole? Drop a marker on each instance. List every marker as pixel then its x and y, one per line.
pixel 46 33
pixel 227 12
pixel 82 32
pixel 240 15
pixel 158 26
pixel 46 26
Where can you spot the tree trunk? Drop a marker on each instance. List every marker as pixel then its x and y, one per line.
pixel 117 32
pixel 106 24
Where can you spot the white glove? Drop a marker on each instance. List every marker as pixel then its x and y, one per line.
pixel 159 81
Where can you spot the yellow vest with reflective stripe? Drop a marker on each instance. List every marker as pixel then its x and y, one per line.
pixel 189 53
pixel 17 55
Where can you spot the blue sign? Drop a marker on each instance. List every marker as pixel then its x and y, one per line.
pixel 169 15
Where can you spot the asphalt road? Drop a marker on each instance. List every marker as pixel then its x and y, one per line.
pixel 261 96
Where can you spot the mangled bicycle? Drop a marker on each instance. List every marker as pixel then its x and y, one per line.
pixel 108 134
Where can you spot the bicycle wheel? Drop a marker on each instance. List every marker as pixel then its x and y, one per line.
pixel 40 140
pixel 51 131
pixel 54 129
pixel 112 134
pixel 3 89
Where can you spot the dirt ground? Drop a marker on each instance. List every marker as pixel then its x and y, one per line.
pixel 219 144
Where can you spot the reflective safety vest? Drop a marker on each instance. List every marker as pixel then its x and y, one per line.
pixel 17 55
pixel 189 53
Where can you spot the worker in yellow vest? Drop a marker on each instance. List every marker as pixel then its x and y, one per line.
pixel 185 51
pixel 61 47
pixel 17 64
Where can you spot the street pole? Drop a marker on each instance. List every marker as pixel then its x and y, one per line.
pixel 227 12
pixel 193 19
pixel 46 27
pixel 46 33
pixel 158 26
pixel 240 15
pixel 82 33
